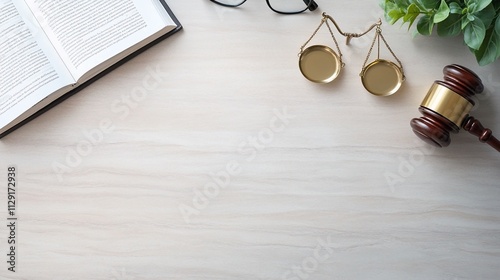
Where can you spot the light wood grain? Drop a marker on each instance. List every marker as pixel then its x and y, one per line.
pixel 304 197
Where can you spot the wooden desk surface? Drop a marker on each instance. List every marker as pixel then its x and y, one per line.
pixel 210 157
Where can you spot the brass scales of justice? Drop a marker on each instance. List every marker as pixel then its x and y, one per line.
pixel 321 64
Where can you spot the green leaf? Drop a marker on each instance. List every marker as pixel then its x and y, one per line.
pixel 395 15
pixel 489 50
pixel 455 8
pixel 471 7
pixel 450 26
pixel 486 15
pixel 477 20
pixel 425 25
pixel 498 51
pixel 411 14
pixel 429 4
pixel 474 34
pixel 384 4
pixel 381 4
pixel 483 4
pixel 497 25
pixel 465 22
pixel 442 12
pixel 475 6
pixel 402 3
pixel 388 6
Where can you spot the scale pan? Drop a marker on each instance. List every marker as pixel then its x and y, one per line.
pixel 382 77
pixel 319 64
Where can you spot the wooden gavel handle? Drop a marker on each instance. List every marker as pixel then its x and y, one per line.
pixel 475 127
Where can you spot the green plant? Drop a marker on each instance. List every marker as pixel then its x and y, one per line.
pixel 477 20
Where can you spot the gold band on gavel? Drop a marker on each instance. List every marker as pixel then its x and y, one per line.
pixel 447 103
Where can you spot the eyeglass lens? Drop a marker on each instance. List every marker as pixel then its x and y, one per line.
pixel 289 6
pixel 280 6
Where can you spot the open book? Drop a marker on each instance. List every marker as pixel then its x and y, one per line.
pixel 49 49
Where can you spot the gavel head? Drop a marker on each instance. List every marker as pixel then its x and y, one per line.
pixel 446 105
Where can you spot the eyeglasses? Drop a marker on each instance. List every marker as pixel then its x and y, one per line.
pixel 279 6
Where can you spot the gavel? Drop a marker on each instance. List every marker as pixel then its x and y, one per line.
pixel 446 109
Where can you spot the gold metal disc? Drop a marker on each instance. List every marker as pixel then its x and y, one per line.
pixel 382 77
pixel 319 64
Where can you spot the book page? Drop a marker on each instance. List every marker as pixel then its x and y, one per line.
pixel 87 33
pixel 30 69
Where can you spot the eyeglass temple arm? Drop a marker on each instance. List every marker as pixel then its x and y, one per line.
pixel 311 5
